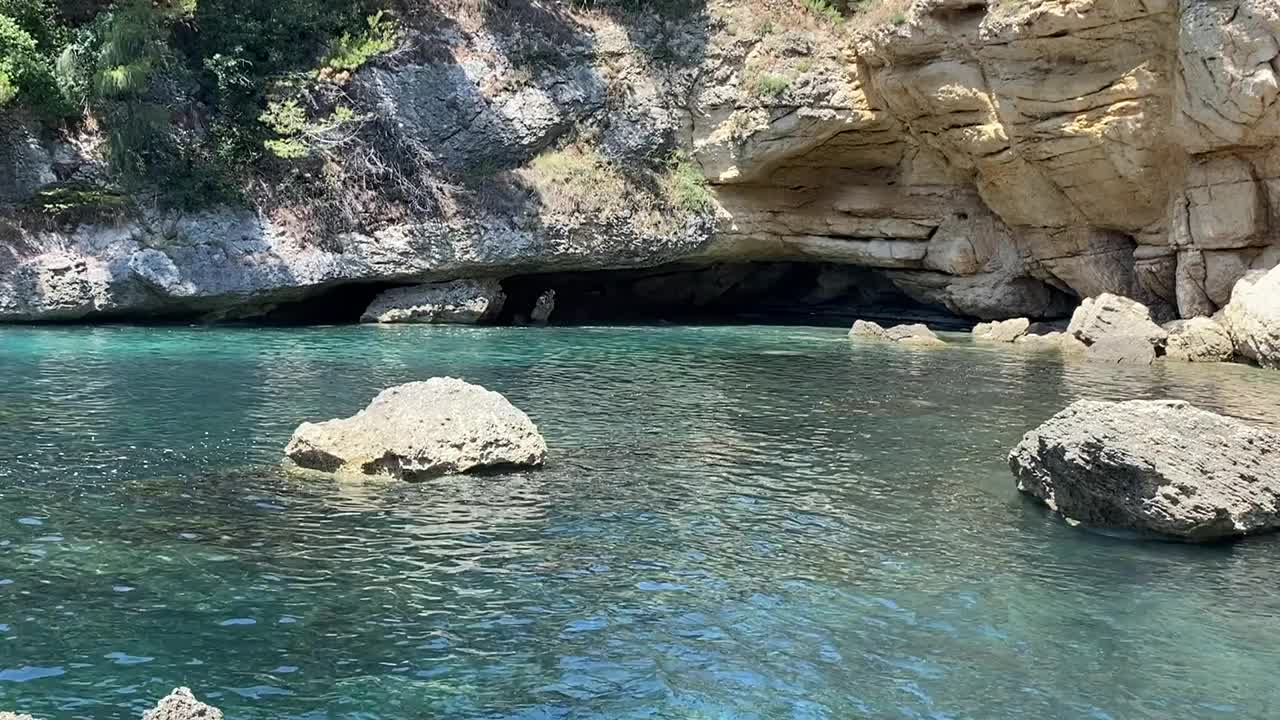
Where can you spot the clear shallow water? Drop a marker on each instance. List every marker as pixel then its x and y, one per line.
pixel 742 522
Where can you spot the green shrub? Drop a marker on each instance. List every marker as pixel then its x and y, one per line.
pixel 825 10
pixel 771 85
pixel 685 187
pixel 351 52
pixel 26 74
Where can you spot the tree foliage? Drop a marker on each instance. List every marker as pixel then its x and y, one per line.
pixel 190 92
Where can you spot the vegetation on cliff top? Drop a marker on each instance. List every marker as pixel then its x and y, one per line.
pixel 189 91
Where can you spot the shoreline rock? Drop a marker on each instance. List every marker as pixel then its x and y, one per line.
pixel 1199 339
pixel 1253 318
pixel 421 430
pixel 1005 331
pixel 1160 466
pixel 464 302
pixel 909 334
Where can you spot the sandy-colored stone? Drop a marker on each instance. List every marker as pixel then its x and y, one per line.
pixel 1122 349
pixel 1198 340
pixel 421 430
pixel 1113 316
pixel 1002 331
pixel 1158 466
pixel 1253 317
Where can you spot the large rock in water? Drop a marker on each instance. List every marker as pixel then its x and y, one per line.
pixel 915 334
pixel 1110 315
pixel 1198 340
pixel 1253 317
pixel 420 430
pixel 182 705
pixel 462 302
pixel 1152 465
pixel 1002 330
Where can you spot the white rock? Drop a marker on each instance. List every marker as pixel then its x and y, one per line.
pixel 1110 315
pixel 1253 317
pixel 1002 331
pixel 460 301
pixel 443 426
pixel 1198 340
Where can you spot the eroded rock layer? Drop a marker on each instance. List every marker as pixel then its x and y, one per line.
pixel 998 159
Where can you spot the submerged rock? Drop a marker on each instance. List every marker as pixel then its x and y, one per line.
pixel 1002 331
pixel 1253 317
pixel 461 301
pixel 420 430
pixel 182 705
pixel 1153 465
pixel 1198 340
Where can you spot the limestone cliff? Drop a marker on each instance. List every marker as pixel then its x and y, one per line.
pixel 997 158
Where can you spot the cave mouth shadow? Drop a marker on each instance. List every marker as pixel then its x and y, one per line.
pixel 756 293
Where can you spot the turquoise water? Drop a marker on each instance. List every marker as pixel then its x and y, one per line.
pixel 740 522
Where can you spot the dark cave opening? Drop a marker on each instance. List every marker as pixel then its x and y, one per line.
pixel 783 293
pixel 340 304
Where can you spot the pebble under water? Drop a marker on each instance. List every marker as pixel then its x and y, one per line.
pixel 736 522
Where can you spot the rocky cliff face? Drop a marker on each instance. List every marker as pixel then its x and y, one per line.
pixel 997 158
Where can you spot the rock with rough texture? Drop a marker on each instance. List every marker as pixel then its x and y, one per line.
pixel 182 705
pixel 913 334
pixel 868 330
pixel 997 159
pixel 420 430
pixel 1253 317
pixel 1198 340
pixel 1060 341
pixel 464 302
pixel 1158 466
pixel 1113 316
pixel 14 716
pixel 1002 331
pixel 1122 349
pixel 543 308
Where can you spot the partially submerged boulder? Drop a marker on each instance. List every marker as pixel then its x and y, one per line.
pixel 914 334
pixel 465 302
pixel 14 716
pixel 1153 465
pixel 1117 329
pixel 1110 315
pixel 1253 317
pixel 182 705
pixel 868 330
pixel 1125 349
pixel 421 430
pixel 1199 339
pixel 1060 341
pixel 1002 330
